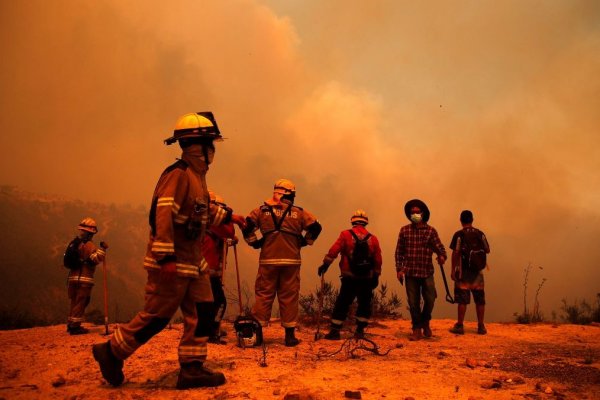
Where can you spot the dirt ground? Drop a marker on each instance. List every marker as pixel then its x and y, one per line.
pixel 510 362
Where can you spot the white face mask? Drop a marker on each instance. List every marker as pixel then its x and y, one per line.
pixel 416 218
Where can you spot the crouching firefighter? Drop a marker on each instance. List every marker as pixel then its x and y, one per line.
pixel 81 258
pixel 285 229
pixel 360 267
pixel 214 250
pixel 177 272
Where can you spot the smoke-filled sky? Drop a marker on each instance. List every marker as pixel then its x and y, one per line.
pixel 488 106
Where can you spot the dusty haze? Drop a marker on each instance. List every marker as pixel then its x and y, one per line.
pixel 468 105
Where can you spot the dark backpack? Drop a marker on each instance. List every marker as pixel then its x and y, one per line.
pixel 71 258
pixel 361 261
pixel 473 250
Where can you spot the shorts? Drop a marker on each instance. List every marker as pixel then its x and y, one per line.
pixel 464 287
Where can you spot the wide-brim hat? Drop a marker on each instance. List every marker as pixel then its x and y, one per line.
pixel 416 203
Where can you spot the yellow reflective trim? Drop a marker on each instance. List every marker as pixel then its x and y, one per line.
pixel 200 350
pixel 219 216
pixel 122 343
pixel 180 219
pixel 288 324
pixel 280 261
pixel 361 319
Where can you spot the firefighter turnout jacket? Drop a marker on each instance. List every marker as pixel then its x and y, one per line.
pixel 344 245
pixel 282 226
pixel 179 215
pixel 91 256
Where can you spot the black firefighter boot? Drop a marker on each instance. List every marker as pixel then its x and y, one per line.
pixel 194 375
pixel 110 366
pixel 290 337
pixel 359 333
pixel 334 332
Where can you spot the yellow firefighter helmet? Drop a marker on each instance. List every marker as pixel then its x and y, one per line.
pixel 284 186
pixel 88 225
pixel 201 124
pixel 359 217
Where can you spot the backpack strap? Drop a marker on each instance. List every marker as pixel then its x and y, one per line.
pixel 277 223
pixel 356 237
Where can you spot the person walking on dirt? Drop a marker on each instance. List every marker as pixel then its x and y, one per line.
pixel 81 258
pixel 214 250
pixel 281 224
pixel 417 242
pixel 177 272
pixel 469 249
pixel 360 267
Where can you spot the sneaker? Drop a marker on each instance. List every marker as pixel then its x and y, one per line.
pixel 110 366
pixel 481 329
pixel 79 330
pixel 194 375
pixel 458 329
pixel 416 335
pixel 334 334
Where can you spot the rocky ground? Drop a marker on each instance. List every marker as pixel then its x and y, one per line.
pixel 511 362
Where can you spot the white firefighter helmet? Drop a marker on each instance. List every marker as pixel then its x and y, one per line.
pixel 284 186
pixel 88 225
pixel 201 124
pixel 359 217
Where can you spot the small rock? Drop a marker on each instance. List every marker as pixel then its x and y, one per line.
pixel 481 363
pixel 518 380
pixel 352 394
pixel 291 396
pixel 399 345
pixel 471 362
pixel 443 354
pixel 491 385
pixel 59 380
pixel 548 390
pixel 13 373
pixel 276 392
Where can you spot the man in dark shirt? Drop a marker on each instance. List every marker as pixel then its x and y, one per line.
pixel 417 242
pixel 468 278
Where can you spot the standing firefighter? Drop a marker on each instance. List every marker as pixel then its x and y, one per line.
pixel 469 249
pixel 281 225
pixel 177 272
pixel 214 250
pixel 81 257
pixel 417 242
pixel 360 266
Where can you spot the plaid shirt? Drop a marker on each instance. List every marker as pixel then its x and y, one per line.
pixel 416 245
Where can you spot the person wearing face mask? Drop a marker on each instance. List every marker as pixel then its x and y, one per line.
pixel 417 242
pixel 177 272
pixel 81 275
pixel 285 228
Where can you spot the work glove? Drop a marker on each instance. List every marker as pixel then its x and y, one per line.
pixel 303 241
pixel 322 269
pixel 168 269
pixel 104 245
pixel 375 281
pixel 239 220
pixel 258 243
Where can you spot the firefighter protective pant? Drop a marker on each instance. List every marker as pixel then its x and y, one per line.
pixel 283 281
pixel 193 296
pixel 79 294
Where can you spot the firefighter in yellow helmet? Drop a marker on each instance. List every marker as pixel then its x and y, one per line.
pixel 285 228
pixel 360 267
pixel 177 273
pixel 81 258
